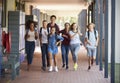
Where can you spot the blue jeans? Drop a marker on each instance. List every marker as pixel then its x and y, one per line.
pixel 29 49
pixel 44 50
pixel 65 51
pixel 74 50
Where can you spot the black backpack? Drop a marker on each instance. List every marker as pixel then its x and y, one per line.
pixel 41 31
pixel 94 34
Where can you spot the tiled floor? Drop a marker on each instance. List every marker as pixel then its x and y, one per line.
pixel 36 75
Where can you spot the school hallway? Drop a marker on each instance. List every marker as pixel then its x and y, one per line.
pixel 82 75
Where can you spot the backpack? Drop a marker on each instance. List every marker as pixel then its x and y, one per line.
pixel 41 31
pixel 94 34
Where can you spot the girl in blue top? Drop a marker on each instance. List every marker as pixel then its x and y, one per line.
pixel 53 48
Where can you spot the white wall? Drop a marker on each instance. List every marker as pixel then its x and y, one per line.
pixel 109 32
pixel 117 34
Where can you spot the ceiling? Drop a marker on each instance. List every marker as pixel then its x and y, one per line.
pixel 59 7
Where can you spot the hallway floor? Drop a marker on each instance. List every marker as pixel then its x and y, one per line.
pixel 82 75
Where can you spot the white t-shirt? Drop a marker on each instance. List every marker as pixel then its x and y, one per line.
pixel 44 33
pixel 91 39
pixel 75 39
pixel 32 36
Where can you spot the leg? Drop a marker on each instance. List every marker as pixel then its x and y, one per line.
pixel 77 47
pixel 47 56
pixel 72 51
pixel 63 55
pixel 27 50
pixel 50 61
pixel 32 48
pixel 55 62
pixel 66 56
pixel 89 58
pixel 93 56
pixel 43 50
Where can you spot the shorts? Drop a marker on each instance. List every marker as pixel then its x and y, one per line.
pixel 53 51
pixel 91 51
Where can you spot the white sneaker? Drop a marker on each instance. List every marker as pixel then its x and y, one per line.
pixel 56 69
pixel 50 68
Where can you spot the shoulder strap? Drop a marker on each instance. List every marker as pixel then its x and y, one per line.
pixel 40 30
pixel 88 34
pixel 95 34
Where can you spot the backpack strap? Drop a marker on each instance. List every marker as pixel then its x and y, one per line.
pixel 94 34
pixel 88 34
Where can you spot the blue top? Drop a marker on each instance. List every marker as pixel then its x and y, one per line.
pixel 52 41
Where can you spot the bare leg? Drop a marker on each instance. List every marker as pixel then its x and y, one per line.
pixel 55 59
pixel 50 58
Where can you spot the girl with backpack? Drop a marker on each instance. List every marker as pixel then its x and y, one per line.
pixel 91 41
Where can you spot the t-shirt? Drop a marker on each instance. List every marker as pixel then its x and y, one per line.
pixel 32 36
pixel 44 34
pixel 66 41
pixel 91 39
pixel 55 25
pixel 75 39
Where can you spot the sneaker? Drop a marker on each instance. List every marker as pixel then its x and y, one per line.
pixel 50 68
pixel 67 67
pixel 75 66
pixel 43 68
pixel 89 67
pixel 63 65
pixel 56 69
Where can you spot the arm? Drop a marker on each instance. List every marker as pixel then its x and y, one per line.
pixel 86 39
pixel 72 36
pixel 97 41
pixel 27 35
pixel 36 35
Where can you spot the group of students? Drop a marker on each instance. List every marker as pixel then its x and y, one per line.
pixel 50 39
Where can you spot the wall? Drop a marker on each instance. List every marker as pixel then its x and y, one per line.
pixel 117 32
pixel 109 32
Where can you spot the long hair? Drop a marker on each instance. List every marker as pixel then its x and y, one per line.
pixel 71 27
pixel 66 24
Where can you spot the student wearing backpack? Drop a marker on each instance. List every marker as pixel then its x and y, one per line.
pixel 30 37
pixel 91 41
pixel 53 48
pixel 65 45
pixel 43 36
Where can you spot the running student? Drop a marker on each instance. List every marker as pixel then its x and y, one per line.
pixel 91 41
pixel 53 48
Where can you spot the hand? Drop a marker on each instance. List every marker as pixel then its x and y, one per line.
pixel 89 43
pixel 65 36
pixel 36 34
pixel 28 36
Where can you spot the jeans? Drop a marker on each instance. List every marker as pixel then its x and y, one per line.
pixel 44 49
pixel 74 50
pixel 65 51
pixel 29 48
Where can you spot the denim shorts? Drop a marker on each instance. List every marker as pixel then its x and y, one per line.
pixel 91 51
pixel 53 51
